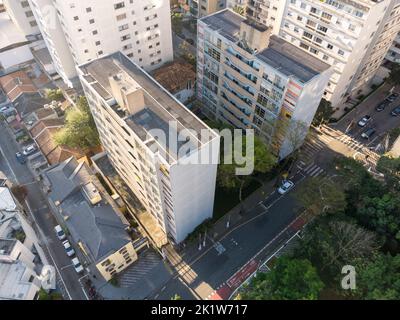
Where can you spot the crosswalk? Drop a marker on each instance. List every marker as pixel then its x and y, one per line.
pixel 311 170
pixel 140 269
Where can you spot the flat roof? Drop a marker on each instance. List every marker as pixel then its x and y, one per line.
pixel 161 107
pixel 291 61
pixel 11 36
pixel 280 54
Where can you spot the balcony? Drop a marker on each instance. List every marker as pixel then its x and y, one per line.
pixel 243 111
pixel 233 119
pixel 242 76
pixel 236 96
pixel 242 88
pixel 244 63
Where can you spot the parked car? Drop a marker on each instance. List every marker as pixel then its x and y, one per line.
pixel 60 232
pixel 392 97
pixel 285 187
pixel 68 248
pixel 20 158
pixel 77 265
pixel 396 111
pixel 363 122
pixel 368 133
pixel 31 149
pixel 382 106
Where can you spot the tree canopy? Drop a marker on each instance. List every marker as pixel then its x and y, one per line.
pixel 80 130
pixel 290 279
pixel 324 112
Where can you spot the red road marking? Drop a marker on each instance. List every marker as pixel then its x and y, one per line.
pixel 240 276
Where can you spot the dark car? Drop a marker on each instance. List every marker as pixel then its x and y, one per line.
pixel 382 106
pixel 20 158
pixel 392 97
pixel 396 111
pixel 368 133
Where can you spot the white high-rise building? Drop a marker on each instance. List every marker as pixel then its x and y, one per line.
pixel 53 36
pixel 139 123
pixel 22 16
pixel 252 80
pixel 394 51
pixel 140 29
pixel 352 35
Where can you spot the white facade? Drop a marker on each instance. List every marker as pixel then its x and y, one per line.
pixel 22 15
pixel 341 33
pixel 130 110
pixel 14 48
pixel 54 38
pixel 394 51
pixel 140 29
pixel 252 80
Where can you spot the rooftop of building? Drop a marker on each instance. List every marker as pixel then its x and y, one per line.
pixel 97 226
pixel 7 202
pixel 11 36
pixel 175 76
pixel 280 54
pixel 117 67
pixel 6 246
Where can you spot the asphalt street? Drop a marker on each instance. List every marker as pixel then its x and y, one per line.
pixel 39 208
pixel 225 257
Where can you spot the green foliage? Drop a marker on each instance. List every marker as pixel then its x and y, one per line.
pixel 80 130
pixel 239 10
pixel 332 242
pixel 324 112
pixel 176 297
pixel 43 295
pixel 55 94
pixel 379 279
pixel 390 167
pixel 290 279
pixel 114 281
pixel 394 76
pixel 321 196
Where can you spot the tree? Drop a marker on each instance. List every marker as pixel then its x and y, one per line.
pixel 394 75
pixel 390 167
pixel 176 297
pixel 379 279
pixel 321 196
pixel 20 192
pixel 262 158
pixel 331 243
pixel 80 129
pixel 290 279
pixel 54 94
pixel 324 112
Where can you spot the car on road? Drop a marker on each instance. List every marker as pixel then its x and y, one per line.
pixel 31 149
pixel 68 248
pixel 392 97
pixel 396 111
pixel 77 265
pixel 20 158
pixel 382 106
pixel 368 133
pixel 60 232
pixel 363 122
pixel 285 187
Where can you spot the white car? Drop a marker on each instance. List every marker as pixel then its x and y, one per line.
pixel 285 187
pixel 363 122
pixel 68 248
pixel 30 150
pixel 60 232
pixel 77 265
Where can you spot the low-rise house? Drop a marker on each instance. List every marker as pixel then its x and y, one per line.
pixel 178 78
pixel 43 133
pixel 22 259
pixel 95 224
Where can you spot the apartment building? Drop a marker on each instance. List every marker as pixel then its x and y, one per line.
pixel 53 36
pixel 202 8
pixel 139 123
pixel 22 15
pixel 394 51
pixel 348 35
pixel 251 79
pixel 140 29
